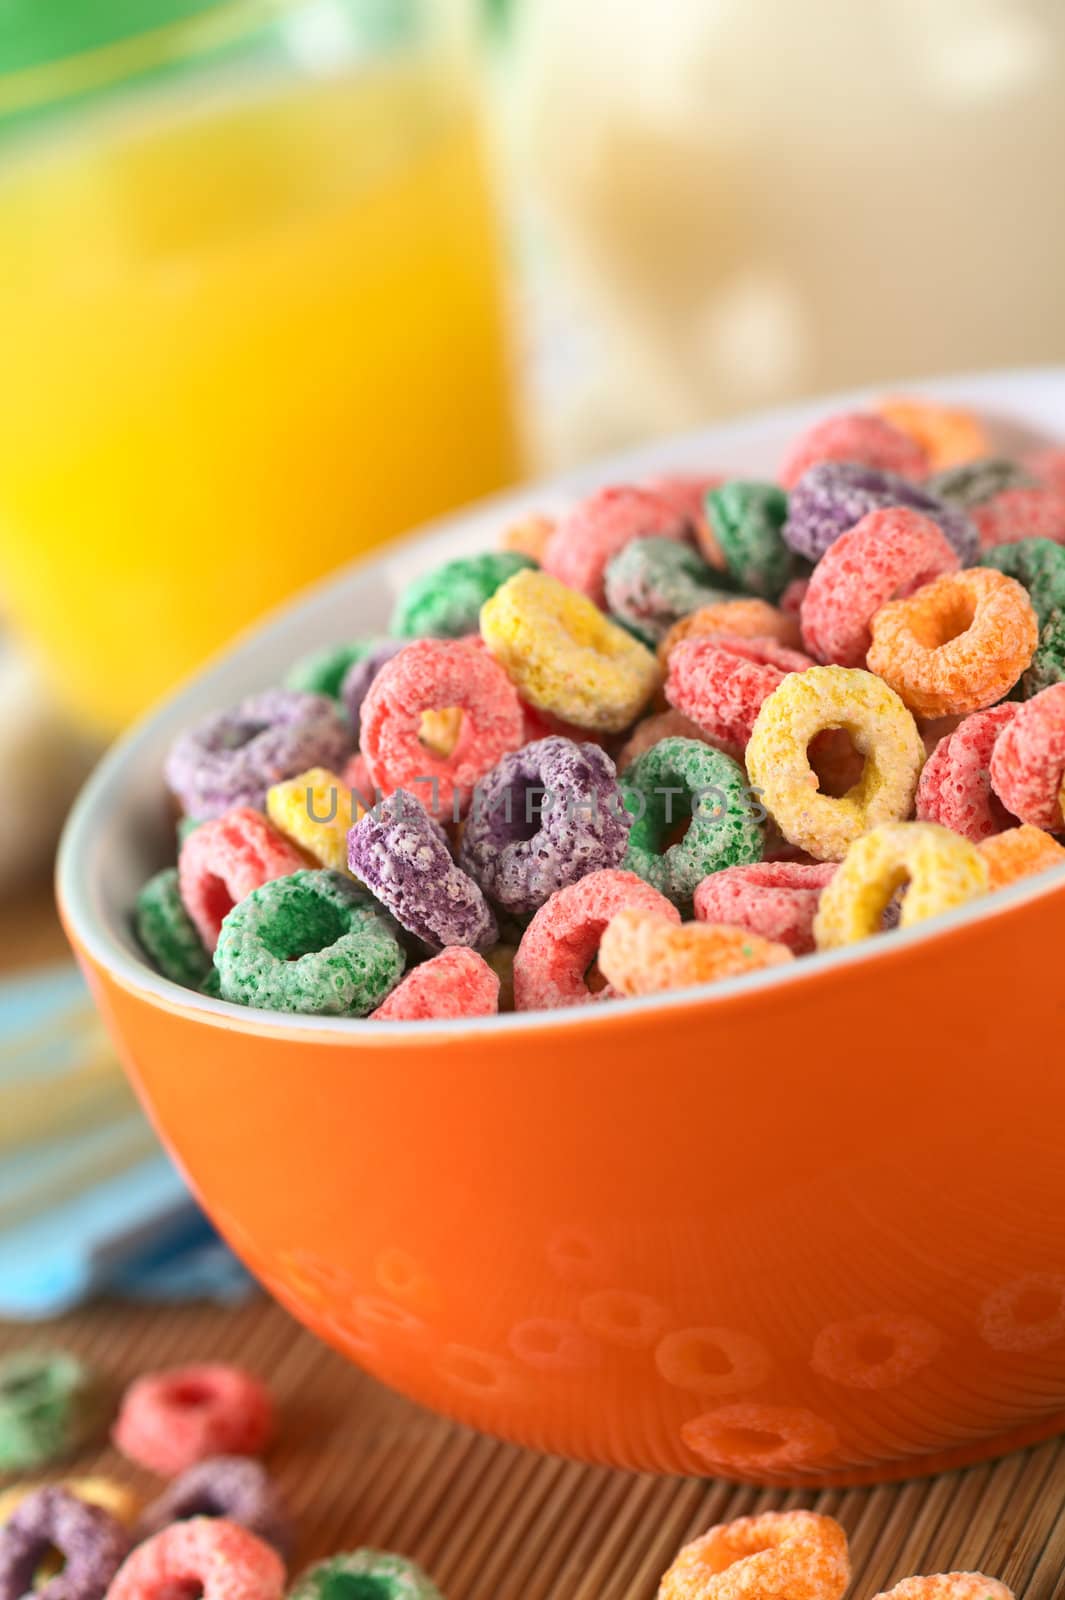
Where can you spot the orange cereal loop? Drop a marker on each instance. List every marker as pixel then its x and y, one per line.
pixel 948 436
pixel 712 1361
pixel 528 536
pixel 760 1441
pixel 1019 853
pixel 747 617
pixel 958 644
pixel 780 1555
pixel 642 953
pixel 948 1586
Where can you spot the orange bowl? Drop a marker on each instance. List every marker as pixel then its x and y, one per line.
pixel 803 1227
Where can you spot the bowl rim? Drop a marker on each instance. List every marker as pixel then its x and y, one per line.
pixel 94 937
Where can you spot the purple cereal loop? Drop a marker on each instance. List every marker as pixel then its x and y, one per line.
pixel 832 496
pixel 361 674
pixel 234 1487
pixel 401 854
pixel 93 1543
pixel 544 817
pixel 232 757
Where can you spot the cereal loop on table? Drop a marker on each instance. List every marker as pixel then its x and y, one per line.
pixel 401 854
pixel 446 602
pixel 876 1351
pixel 49 1403
pixel 886 555
pixel 545 817
pixel 365 1575
pixel 653 582
pixel 595 530
pixel 1020 853
pixel 778 900
pixel 1028 760
pixel 563 937
pixel 722 682
pixel 779 1555
pixel 565 657
pixel 640 953
pixel 948 435
pixel 750 1439
pixel 744 618
pixel 167 933
pixel 955 787
pixel 937 868
pixel 232 757
pixel 315 812
pixel 884 733
pixel 428 675
pixel 206 1556
pixel 91 1543
pixel 224 860
pixel 948 1586
pixel 114 1498
pixel 956 645
pixel 233 1487
pixel 857 436
pixel 170 1420
pixel 456 983
pixel 683 781
pixel 746 518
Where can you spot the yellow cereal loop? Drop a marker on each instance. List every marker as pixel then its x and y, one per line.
pixel 564 656
pixel 315 811
pixel 121 1502
pixel 883 732
pixel 937 868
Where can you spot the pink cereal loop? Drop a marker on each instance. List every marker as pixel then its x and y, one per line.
pixel 1028 760
pixel 592 532
pixel 432 675
pixel 205 1554
pixel 948 1586
pixel 224 859
pixel 456 983
pixel 171 1420
pixel 561 941
pixel 780 1555
pixel 775 899
pixel 721 681
pixel 883 557
pixel 955 786
pixel 857 436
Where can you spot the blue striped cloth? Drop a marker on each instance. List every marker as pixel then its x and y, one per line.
pixel 88 1201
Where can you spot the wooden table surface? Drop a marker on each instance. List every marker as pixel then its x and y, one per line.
pixel 359 1465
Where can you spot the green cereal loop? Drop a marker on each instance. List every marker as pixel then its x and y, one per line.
pixel 167 932
pixel 365 1575
pixel 1047 666
pixel 973 482
pixel 446 603
pixel 49 1405
pixel 746 518
pixel 314 942
pixel 725 830
pixel 212 985
pixel 653 582
pixel 1038 564
pixel 323 671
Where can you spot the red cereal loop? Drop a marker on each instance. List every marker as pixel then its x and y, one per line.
pixel 170 1420
pixel 204 1555
pixel 1048 466
pixel 858 436
pixel 888 554
pixel 775 899
pixel 356 777
pixel 590 535
pixel 224 859
pixel 686 493
pixel 877 1351
pixel 790 602
pixel 780 1555
pixel 456 983
pixel 433 675
pixel 955 786
pixel 720 682
pixel 958 644
pixel 1017 514
pixel 1028 760
pixel 562 939
pixel 948 1586
pixel 748 1439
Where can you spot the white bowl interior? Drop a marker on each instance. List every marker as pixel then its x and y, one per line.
pixel 121 828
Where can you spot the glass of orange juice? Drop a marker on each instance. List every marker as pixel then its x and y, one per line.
pixel 251 318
